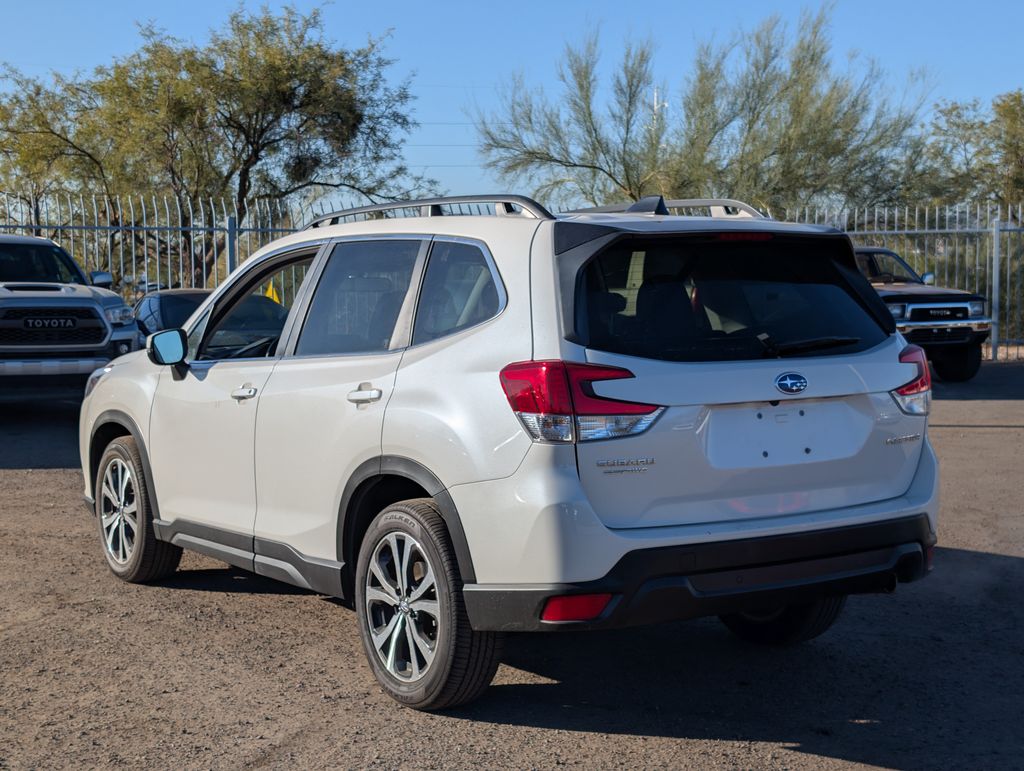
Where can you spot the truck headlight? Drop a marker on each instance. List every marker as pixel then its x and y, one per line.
pixel 977 308
pixel 119 315
pixel 898 310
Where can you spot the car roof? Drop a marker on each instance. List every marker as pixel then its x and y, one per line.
pixel 641 223
pixel 11 238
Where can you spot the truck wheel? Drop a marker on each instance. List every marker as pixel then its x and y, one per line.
pixel 958 363
pixel 787 625
pixel 125 518
pixel 412 621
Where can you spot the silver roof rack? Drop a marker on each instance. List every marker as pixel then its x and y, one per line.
pixel 446 206
pixel 656 204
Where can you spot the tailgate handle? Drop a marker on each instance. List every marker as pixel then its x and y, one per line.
pixel 244 392
pixel 365 394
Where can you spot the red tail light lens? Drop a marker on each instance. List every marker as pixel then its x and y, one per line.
pixel 555 401
pixel 575 607
pixel 914 397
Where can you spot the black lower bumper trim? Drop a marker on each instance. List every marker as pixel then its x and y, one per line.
pixel 679 582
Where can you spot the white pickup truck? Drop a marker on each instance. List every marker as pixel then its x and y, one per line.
pixel 56 325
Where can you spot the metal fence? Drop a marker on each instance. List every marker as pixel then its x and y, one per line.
pixel 148 242
pixel 976 247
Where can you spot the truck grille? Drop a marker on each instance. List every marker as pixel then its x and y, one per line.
pixel 939 314
pixel 29 327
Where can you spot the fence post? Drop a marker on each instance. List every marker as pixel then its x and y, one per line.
pixel 995 289
pixel 232 243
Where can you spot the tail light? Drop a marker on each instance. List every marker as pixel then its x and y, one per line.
pixel 915 397
pixel 555 402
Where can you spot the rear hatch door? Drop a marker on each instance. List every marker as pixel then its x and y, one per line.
pixel 773 371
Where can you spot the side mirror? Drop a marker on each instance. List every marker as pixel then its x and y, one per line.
pixel 928 278
pixel 101 278
pixel 167 347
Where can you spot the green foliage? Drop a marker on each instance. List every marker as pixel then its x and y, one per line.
pixel 766 117
pixel 267 107
pixel 975 152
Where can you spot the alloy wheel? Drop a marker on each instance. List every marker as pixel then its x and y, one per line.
pixel 119 511
pixel 402 608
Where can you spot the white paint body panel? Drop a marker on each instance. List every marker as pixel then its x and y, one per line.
pixel 201 443
pixel 309 440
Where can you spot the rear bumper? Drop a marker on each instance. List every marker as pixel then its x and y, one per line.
pixel 689 581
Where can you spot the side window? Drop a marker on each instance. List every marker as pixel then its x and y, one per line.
pixel 458 291
pixel 251 327
pixel 356 304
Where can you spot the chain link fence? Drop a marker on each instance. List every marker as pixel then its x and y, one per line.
pixel 150 243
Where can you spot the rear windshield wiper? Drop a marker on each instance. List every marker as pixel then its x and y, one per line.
pixel 773 348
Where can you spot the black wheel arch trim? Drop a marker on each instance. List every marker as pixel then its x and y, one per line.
pixel 395 465
pixel 125 420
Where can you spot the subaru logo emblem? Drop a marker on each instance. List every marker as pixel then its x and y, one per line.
pixel 791 382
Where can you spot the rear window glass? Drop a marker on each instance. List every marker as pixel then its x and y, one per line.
pixel 699 300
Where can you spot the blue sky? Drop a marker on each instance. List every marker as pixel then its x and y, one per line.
pixel 460 52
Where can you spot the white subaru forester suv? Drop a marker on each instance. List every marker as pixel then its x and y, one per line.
pixel 467 416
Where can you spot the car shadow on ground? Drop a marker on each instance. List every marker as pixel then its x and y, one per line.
pixel 928 677
pixel 998 381
pixel 39 433
pixel 228 579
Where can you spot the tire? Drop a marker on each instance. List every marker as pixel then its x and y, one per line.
pixel 124 517
pixel 788 625
pixel 451 664
pixel 958 364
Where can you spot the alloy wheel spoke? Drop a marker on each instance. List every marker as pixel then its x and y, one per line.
pixel 430 607
pixel 381 637
pixel 108 520
pixel 385 584
pixel 393 647
pixel 111 532
pixel 122 549
pixel 396 558
pixel 425 585
pixel 422 644
pixel 413 658
pixel 373 594
pixel 125 478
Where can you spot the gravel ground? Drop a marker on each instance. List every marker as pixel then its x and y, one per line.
pixel 218 668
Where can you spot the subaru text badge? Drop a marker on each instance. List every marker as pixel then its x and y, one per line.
pixel 791 382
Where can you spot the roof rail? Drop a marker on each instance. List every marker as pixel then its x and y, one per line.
pixel 503 206
pixel 656 204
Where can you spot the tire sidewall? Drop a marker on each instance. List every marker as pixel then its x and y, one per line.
pixel 118 449
pixel 400 518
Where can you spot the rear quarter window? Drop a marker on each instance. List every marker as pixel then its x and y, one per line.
pixel 702 299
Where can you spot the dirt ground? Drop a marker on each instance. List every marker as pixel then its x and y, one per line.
pixel 220 669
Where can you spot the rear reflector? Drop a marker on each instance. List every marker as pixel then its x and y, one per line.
pixel 575 607
pixel 915 396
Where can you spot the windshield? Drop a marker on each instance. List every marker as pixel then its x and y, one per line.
pixel 885 268
pixel 37 262
pixel 699 300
